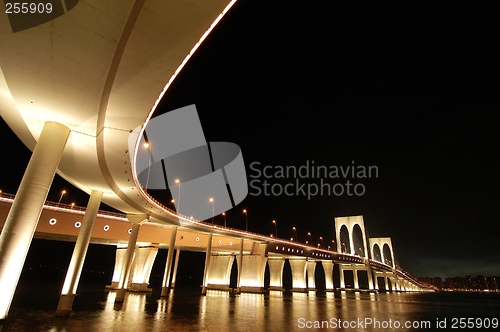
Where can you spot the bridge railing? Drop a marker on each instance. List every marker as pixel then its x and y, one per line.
pixel 71 207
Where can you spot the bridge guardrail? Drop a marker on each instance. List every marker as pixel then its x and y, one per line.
pixel 403 274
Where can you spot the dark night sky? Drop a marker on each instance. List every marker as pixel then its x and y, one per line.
pixel 410 87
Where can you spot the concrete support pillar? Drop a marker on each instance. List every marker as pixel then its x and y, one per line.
pixel 77 259
pixel 252 273
pixel 398 283
pixel 168 266
pixel 311 282
pixel 176 265
pixel 252 268
pixel 328 267
pixel 355 276
pixel 375 282
pixel 386 283
pixel 207 263
pixel 240 267
pixel 144 258
pixel 393 284
pixel 117 272
pixel 370 275
pixel 129 255
pixel 342 279
pixel 276 273
pixel 219 272
pixel 23 216
pixel 298 275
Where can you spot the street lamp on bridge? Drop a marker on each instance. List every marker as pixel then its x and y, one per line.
pixel 213 209
pixel 296 236
pixel 310 236
pixel 62 194
pixel 322 243
pixel 179 195
pixel 275 227
pixel 224 215
pixel 246 218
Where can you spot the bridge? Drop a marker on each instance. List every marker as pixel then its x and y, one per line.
pixel 73 87
pixel 222 245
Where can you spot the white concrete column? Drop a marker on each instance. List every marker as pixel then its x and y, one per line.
pixel 396 283
pixel 355 276
pixel 311 282
pixel 298 275
pixel 386 283
pixel 144 258
pixel 253 267
pixel 129 255
pixel 342 280
pixel 207 263
pixel 219 273
pixel 328 268
pixel 168 266
pixel 370 275
pixel 23 216
pixel 375 282
pixel 240 267
pixel 252 273
pixel 117 272
pixel 77 259
pixel 276 273
pixel 176 265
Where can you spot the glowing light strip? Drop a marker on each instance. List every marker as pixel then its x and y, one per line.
pixel 101 214
pixel 195 47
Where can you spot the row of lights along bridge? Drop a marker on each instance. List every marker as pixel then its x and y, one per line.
pixel 245 211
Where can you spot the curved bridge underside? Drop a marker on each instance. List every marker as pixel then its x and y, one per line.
pixel 100 69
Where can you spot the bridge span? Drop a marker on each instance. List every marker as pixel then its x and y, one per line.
pixel 222 245
pixel 73 87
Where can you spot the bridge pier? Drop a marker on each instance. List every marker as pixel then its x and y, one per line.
pixel 370 275
pixel 119 260
pixel 298 275
pixel 394 283
pixel 142 264
pixel 176 265
pixel 328 268
pixel 276 273
pixel 207 263
pixel 240 267
pixel 355 276
pixel 219 273
pixel 311 283
pixel 70 285
pixel 386 283
pixel 136 220
pixel 252 268
pixel 168 266
pixel 342 279
pixel 23 216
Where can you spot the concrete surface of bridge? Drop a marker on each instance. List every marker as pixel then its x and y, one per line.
pixel 73 88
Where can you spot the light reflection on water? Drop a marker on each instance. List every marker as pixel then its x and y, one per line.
pixel 221 311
